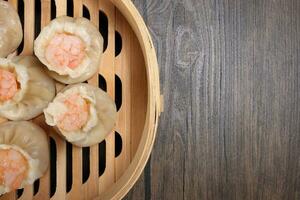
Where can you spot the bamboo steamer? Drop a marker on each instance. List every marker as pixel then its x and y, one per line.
pixel 129 74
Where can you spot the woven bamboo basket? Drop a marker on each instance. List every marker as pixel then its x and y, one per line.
pixel 129 74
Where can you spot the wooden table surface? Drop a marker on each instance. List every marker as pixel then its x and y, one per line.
pixel 230 78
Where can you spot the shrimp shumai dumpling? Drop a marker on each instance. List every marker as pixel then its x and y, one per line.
pixel 11 33
pixel 71 48
pixel 24 154
pixel 25 89
pixel 82 114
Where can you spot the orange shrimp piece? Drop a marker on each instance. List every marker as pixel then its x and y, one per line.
pixel 8 85
pixel 13 168
pixel 65 51
pixel 76 116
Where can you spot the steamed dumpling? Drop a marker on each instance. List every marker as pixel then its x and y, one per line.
pixel 11 33
pixel 25 89
pixel 24 154
pixel 71 48
pixel 82 114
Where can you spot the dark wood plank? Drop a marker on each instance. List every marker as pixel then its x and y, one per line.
pixel 230 78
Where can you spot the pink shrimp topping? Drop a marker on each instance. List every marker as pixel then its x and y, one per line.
pixel 76 116
pixel 13 168
pixel 65 50
pixel 8 85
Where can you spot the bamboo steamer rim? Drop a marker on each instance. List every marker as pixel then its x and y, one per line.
pixel 154 107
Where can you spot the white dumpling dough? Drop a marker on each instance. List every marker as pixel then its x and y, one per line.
pixel 32 143
pixel 67 35
pixel 36 88
pixel 11 33
pixel 99 122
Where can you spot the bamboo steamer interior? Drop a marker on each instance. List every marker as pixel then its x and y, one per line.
pixel 129 74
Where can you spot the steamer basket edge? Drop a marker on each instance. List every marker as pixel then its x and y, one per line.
pixel 155 102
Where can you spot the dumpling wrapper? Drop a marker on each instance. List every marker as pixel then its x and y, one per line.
pixel 101 119
pixel 85 31
pixel 32 142
pixel 11 32
pixel 37 89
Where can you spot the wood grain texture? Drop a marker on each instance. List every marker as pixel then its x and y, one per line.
pixel 230 78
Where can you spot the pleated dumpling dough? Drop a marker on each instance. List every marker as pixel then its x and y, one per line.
pixel 82 114
pixel 25 89
pixel 11 33
pixel 24 154
pixel 71 48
